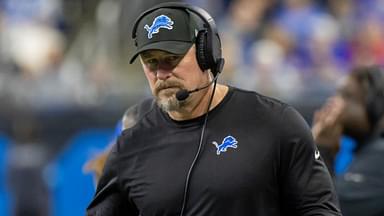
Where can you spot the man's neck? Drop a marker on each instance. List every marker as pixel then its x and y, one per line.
pixel 199 108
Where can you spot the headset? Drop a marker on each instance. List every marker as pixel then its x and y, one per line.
pixel 208 43
pixel 375 95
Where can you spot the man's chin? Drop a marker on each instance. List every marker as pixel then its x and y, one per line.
pixel 169 104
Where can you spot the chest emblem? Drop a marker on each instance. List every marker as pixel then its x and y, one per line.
pixel 228 142
pixel 159 22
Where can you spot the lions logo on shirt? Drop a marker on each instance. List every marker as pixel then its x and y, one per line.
pixel 159 22
pixel 228 142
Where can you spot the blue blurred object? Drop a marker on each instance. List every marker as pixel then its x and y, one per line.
pixel 4 194
pixel 29 10
pixel 118 128
pixel 345 155
pixel 72 188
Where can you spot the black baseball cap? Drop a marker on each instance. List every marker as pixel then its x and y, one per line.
pixel 168 29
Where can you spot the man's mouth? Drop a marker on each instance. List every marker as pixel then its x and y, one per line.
pixel 168 90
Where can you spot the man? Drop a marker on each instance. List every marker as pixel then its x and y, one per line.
pixel 202 149
pixel 357 110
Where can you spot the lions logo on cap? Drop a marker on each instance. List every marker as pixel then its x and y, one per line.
pixel 159 22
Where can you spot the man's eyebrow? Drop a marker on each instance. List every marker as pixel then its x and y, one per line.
pixel 146 54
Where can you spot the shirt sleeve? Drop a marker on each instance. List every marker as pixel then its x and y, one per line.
pixel 306 185
pixel 110 200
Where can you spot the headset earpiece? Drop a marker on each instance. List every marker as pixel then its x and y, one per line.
pixel 201 50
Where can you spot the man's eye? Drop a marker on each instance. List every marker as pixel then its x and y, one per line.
pixel 151 61
pixel 152 64
pixel 172 60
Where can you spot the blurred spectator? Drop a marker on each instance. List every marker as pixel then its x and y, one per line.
pixel 357 110
pixel 369 41
pixel 241 27
pixel 45 11
pixel 315 34
pixel 36 51
pixel 343 11
pixel 273 74
pixel 30 193
pixel 26 161
pixel 217 8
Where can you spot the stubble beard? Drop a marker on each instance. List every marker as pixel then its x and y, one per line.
pixel 166 97
pixel 169 104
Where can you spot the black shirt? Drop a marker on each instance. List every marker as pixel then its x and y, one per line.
pixel 270 166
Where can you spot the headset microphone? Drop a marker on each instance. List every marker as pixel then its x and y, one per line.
pixel 184 94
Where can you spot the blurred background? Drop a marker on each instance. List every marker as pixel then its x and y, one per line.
pixel 65 80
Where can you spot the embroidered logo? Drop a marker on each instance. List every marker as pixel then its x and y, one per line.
pixel 228 142
pixel 159 22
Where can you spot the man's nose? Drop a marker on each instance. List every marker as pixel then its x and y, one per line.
pixel 163 74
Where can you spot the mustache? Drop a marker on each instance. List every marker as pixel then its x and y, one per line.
pixel 160 85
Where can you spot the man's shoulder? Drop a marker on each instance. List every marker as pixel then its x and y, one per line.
pixel 257 99
pixel 136 112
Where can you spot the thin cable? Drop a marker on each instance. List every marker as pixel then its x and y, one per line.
pixel 186 186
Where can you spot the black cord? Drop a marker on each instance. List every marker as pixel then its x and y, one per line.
pixel 186 186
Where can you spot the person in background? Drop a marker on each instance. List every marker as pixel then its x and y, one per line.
pixel 203 148
pixel 96 164
pixel 357 110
